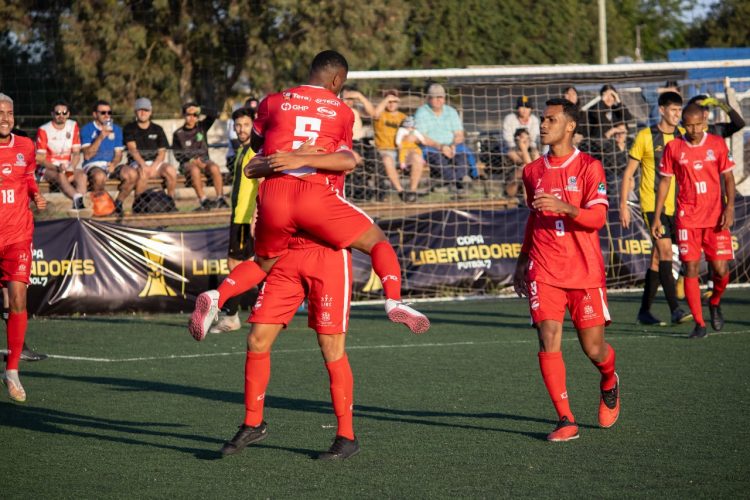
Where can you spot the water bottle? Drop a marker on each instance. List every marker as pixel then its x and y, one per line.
pixel 111 135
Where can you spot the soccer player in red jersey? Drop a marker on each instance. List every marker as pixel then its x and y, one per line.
pixel 561 263
pixel 324 274
pixel 300 193
pixel 17 186
pixel 700 162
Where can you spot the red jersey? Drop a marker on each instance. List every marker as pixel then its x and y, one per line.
pixel 17 165
pixel 58 145
pixel 288 119
pixel 561 253
pixel 698 170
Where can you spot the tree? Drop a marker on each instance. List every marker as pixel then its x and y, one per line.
pixel 727 24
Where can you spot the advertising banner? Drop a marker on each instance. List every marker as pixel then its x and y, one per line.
pixel 83 266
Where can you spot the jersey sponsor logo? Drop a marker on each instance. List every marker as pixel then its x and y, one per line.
pixel 287 106
pixel 572 184
pixel 322 110
pixel 698 165
pixel 601 189
pixel 710 156
pixel 534 304
pixel 330 102
pixel 7 169
pixel 683 160
pixel 683 249
pixel 326 301
pixel 390 277
pixel 188 143
pixel 152 137
pixel 294 95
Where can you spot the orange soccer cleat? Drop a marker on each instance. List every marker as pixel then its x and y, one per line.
pixel 609 405
pixel 565 431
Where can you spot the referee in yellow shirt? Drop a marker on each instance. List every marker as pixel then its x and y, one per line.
pixel 646 151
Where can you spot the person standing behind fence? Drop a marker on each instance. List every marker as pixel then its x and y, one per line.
pixel 17 166
pixel 647 151
pixel 244 193
pixel 58 153
pixel 101 144
pixel 147 149
pixel 190 145
pixel 443 134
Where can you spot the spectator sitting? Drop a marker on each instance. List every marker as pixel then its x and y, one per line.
pixel 101 145
pixel 190 145
pixel 147 149
pixel 522 118
pixel 571 94
pixel 408 139
pixel 58 154
pixel 523 152
pixel 443 131
pixel 364 181
pixel 608 116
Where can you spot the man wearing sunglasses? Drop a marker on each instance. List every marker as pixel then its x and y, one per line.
pixel 101 144
pixel 58 154
pixel 190 146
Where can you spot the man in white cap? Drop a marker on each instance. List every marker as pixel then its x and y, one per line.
pixel 443 132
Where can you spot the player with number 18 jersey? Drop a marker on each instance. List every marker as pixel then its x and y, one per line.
pixel 17 165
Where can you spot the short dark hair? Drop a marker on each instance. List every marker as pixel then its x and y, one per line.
pixel 669 98
pixel 520 131
pixel 569 109
pixel 251 102
pixel 101 102
pixel 328 59
pixel 240 112
pixel 697 99
pixel 570 87
pixel 607 87
pixel 187 105
pixel 693 108
pixel 60 102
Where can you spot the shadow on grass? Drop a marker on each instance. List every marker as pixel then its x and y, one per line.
pixel 401 416
pixel 72 424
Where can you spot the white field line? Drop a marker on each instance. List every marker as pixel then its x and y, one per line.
pixel 530 340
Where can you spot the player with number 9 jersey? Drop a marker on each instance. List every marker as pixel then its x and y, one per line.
pixel 561 253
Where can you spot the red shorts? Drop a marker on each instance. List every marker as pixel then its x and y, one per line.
pixel 15 262
pixel 321 273
pixel 716 243
pixel 287 205
pixel 587 306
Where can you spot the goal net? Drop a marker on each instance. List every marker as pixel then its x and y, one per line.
pixel 456 240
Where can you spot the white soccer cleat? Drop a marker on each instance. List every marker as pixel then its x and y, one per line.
pixel 227 324
pixel 206 311
pixel 398 312
pixel 13 383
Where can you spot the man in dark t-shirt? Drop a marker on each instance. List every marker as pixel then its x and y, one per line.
pixel 190 146
pixel 147 149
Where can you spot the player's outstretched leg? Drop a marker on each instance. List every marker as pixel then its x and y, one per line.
pixel 204 315
pixel 398 312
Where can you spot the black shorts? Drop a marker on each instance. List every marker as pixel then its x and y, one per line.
pixel 241 244
pixel 667 222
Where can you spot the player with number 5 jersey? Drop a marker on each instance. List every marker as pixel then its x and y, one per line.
pixel 561 266
pixel 700 163
pixel 302 191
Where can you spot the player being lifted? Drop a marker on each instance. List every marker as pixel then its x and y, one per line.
pixel 699 161
pixel 299 193
pixel 17 188
pixel 561 263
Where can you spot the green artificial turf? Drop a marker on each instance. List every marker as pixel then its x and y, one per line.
pixel 458 412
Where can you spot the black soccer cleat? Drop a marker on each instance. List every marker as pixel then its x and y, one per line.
pixel 679 316
pixel 648 319
pixel 27 354
pixel 698 332
pixel 717 318
pixel 341 449
pixel 245 436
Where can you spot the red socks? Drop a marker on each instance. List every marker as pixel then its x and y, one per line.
pixel 16 333
pixel 553 373
pixel 386 266
pixel 257 374
pixel 241 279
pixel 607 369
pixel 342 395
pixel 693 296
pixel 720 284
